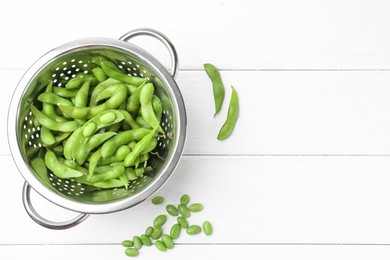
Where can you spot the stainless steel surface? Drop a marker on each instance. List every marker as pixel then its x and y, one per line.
pixel 160 37
pixel 43 221
pixel 60 65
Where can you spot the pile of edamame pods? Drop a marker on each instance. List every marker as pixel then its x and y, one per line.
pixel 100 129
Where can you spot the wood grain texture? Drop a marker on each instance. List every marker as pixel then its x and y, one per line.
pixel 271 199
pixel 281 112
pixel 279 34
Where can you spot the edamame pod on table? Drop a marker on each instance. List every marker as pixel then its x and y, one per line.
pixel 218 88
pixel 228 126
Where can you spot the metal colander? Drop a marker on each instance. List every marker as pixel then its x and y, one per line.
pixel 62 64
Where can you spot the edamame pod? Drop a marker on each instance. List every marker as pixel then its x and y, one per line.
pixel 228 126
pixel 218 88
pixel 58 168
pixel 68 126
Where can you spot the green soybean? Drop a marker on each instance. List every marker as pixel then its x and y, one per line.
pixel 147 111
pixel 159 220
pixel 137 243
pixel 167 240
pixel 158 200
pixel 89 129
pixel 196 207
pixel 157 232
pixel 100 87
pixel 127 243
pixel 218 88
pixel 193 230
pixel 131 252
pixel 184 211
pixel 207 228
pixel 107 118
pixel 149 231
pixel 145 240
pixel 175 231
pixel 172 210
pixel 75 83
pixel 160 246
pixel 228 126
pixel 182 222
pixel 63 92
pixel 185 199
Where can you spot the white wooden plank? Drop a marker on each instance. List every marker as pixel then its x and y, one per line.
pixel 194 252
pixel 266 199
pixel 281 112
pixel 263 34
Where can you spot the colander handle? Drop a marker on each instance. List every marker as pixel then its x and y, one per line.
pixel 162 38
pixel 45 222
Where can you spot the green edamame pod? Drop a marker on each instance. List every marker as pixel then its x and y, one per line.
pixel 40 169
pixel 99 74
pixel 125 181
pixel 107 92
pixel 49 109
pixel 81 98
pixel 134 102
pixel 47 137
pixel 75 83
pixel 148 114
pixel 75 142
pixel 109 184
pixel 114 172
pixel 93 142
pixel 100 87
pixel 110 146
pixel 54 99
pixel 138 148
pixel 228 126
pixel 157 107
pixel 93 162
pixel 129 120
pixel 114 72
pixel 58 168
pixel 218 88
pixel 141 122
pixel 131 175
pixel 64 92
pixel 88 112
pixel 68 126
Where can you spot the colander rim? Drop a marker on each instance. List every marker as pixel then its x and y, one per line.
pixel 109 207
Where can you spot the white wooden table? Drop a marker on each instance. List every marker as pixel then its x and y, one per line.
pixel 306 174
